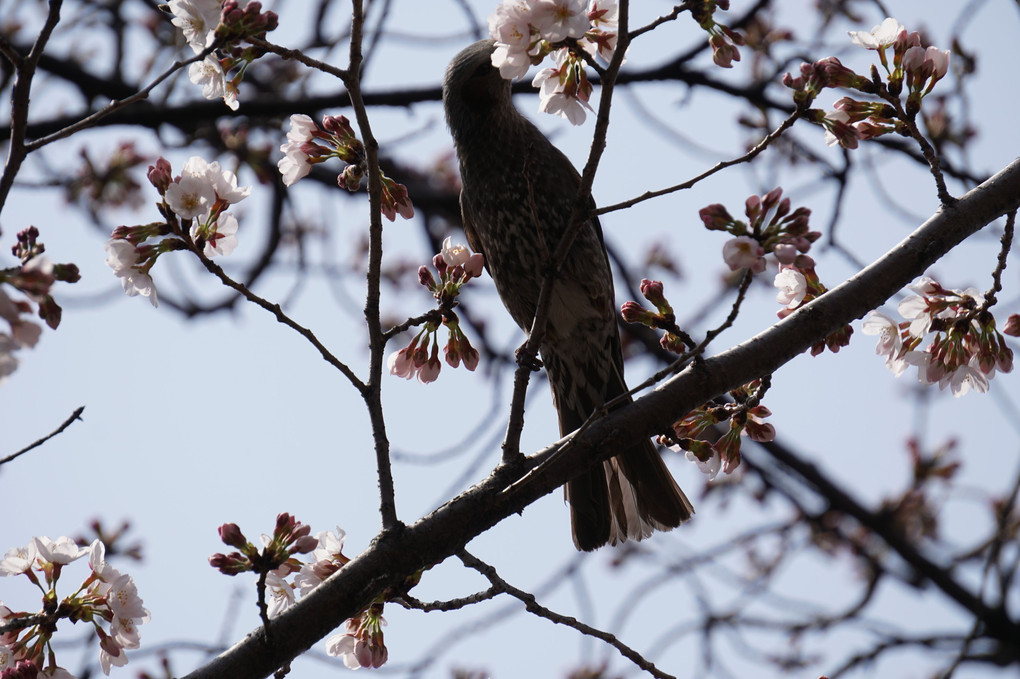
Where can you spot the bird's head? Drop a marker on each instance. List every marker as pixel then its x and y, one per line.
pixel 473 86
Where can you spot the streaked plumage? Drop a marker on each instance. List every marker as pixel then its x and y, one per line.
pixel 516 203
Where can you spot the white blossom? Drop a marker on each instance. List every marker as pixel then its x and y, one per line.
pixel 198 20
pixel 208 74
pixel 792 287
pixel 881 36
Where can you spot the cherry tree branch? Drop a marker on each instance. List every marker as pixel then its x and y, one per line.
pixel 532 605
pixel 76 415
pixel 395 555
pixel 373 318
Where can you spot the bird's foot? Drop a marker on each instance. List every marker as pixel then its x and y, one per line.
pixel 526 359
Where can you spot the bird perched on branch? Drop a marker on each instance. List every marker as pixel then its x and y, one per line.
pixel 516 202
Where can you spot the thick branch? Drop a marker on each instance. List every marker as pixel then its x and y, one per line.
pixel 399 553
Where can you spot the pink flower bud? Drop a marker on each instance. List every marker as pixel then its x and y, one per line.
pixel 230 534
pixel 160 175
pixel 633 312
pixel 452 352
pixel 715 217
pixel 473 266
pixel 785 253
pixel 425 277
pixel 305 544
pixel 652 291
pixel 440 263
pixel 1012 326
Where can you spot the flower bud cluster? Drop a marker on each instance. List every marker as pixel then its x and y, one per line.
pixel 250 22
pixel 771 227
pixel 746 417
pixel 456 265
pixel 721 38
pixel 663 318
pixel 205 23
pixel 308 144
pixel 33 278
pixel 526 31
pixel 289 537
pixel 913 68
pixel 107 600
pixel 966 349
pixel 361 644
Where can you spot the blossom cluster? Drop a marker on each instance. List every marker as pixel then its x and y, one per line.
pixel 456 265
pixel 721 38
pixel 33 278
pixel 194 204
pixel 106 596
pixel 361 644
pixel 526 31
pixel 913 68
pixel 206 23
pixel 662 318
pixel 309 144
pixel 966 349
pixel 746 418
pixel 771 227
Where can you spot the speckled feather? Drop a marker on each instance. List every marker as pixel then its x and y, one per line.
pixel 518 190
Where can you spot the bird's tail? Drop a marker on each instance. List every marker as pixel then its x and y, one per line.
pixel 627 496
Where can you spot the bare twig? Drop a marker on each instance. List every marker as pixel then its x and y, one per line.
pixel 718 167
pixel 76 415
pixel 534 607
pixel 376 339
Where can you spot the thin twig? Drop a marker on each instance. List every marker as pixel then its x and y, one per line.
pixel 20 95
pixel 534 607
pixel 76 415
pixel 373 319
pixel 750 155
pixel 1000 265
pixel 410 602
pixel 301 57
pixel 275 309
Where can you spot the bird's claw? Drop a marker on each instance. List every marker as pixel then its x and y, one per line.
pixel 526 359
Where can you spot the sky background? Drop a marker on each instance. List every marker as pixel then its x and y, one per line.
pixel 188 425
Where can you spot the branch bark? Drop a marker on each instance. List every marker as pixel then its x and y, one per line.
pixel 396 554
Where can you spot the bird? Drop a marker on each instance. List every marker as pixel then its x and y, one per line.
pixel 517 196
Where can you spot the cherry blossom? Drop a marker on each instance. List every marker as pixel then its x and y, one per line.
pixel 123 258
pixel 510 28
pixel 295 163
pixel 61 551
pixel 190 196
pixel 455 254
pixel 558 20
pixel 744 252
pixel 198 20
pixel 220 238
pixel 224 184
pixel 711 466
pixel 792 287
pixel 889 343
pixel 18 560
pixel 564 90
pixel 880 37
pixel 281 594
pixel 209 75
